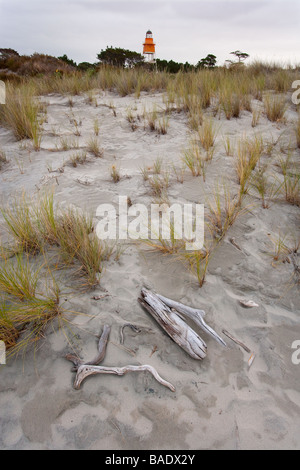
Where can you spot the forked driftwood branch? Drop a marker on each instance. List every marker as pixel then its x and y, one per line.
pixel 167 313
pixel 86 368
pixel 101 351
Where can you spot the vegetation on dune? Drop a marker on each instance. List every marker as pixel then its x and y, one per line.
pixel 202 93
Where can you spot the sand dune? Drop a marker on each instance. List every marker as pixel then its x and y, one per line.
pixel 219 403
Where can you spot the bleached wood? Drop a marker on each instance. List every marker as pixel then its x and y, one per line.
pixel 176 328
pixel 85 371
pixel 194 314
pixel 101 350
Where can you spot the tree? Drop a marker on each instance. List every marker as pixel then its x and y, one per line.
pixel 86 66
pixel 208 62
pixel 240 55
pixel 66 59
pixel 120 57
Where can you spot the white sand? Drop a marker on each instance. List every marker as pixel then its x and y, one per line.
pixel 219 402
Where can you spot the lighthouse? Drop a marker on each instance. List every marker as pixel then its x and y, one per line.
pixel 149 48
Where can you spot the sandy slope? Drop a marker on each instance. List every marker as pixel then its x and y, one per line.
pixel 219 403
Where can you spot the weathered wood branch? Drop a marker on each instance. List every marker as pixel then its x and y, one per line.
pixel 86 370
pixel 101 350
pixel 194 314
pixel 237 341
pixel 176 328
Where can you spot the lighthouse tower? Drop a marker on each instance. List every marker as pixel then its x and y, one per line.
pixel 149 48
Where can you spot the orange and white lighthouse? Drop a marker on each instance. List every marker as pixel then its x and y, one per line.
pixel 149 47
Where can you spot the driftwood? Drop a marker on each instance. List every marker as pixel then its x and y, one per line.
pixel 86 368
pixel 252 354
pixel 194 314
pixel 237 341
pixel 101 351
pixel 173 324
pixel 167 313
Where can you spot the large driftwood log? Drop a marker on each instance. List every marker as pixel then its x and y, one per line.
pixel 194 314
pixel 86 368
pixel 176 328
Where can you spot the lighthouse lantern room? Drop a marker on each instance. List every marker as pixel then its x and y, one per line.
pixel 149 47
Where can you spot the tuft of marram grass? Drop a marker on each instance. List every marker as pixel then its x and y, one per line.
pixel 20 223
pixel 34 226
pixel 93 146
pixel 223 210
pixel 291 180
pixel 25 310
pixel 18 278
pixel 167 243
pixel 21 113
pixel 194 160
pixel 263 185
pixel 197 263
pixel 275 107
pixel 78 158
pixel 207 134
pixel 77 241
pixel 248 155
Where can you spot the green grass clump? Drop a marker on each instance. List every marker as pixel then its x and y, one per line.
pixel 20 223
pixel 35 226
pixel 27 305
pixel 275 107
pixel 21 113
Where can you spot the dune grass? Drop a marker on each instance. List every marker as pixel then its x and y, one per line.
pixel 194 159
pixel 30 293
pixel 291 179
pixel 248 155
pixel 28 304
pixel 197 263
pixel 34 225
pixel 19 279
pixel 21 113
pixel 266 186
pixel 223 210
pixel 275 107
pixel 20 224
pixel 207 134
pixel 93 147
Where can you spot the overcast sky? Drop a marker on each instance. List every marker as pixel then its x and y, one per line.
pixel 184 30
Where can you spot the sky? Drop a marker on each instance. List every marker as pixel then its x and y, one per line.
pixel 183 30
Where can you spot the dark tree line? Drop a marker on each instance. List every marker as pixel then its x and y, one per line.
pixel 118 57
